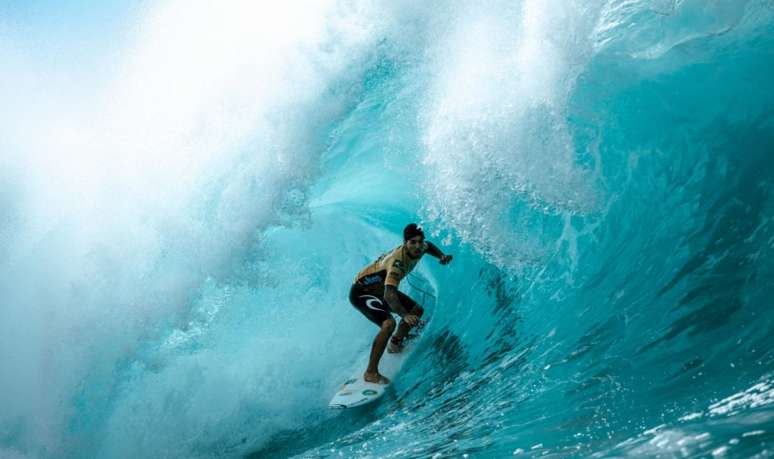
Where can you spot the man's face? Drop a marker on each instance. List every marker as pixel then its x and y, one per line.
pixel 415 246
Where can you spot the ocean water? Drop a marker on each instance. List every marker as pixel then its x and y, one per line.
pixel 187 192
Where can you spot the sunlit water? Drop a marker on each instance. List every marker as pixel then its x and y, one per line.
pixel 179 229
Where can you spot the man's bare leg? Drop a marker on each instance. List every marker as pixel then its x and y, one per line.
pixel 377 349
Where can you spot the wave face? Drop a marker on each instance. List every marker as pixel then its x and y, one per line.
pixel 177 247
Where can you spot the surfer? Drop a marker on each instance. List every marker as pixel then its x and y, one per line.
pixel 375 294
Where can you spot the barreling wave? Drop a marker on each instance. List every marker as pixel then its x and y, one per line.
pixel 175 284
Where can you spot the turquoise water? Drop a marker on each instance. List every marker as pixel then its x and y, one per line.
pixel 176 255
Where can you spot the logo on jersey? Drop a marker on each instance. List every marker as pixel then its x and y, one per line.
pixel 372 279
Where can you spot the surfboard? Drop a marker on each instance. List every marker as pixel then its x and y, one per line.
pixel 356 391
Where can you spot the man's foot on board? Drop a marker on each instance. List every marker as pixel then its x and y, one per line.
pixel 375 378
pixel 395 346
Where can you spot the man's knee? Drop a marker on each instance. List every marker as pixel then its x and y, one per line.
pixel 388 325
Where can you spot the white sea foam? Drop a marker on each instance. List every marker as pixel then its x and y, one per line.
pixel 128 195
pixel 495 127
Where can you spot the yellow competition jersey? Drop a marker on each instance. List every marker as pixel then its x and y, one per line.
pixel 388 269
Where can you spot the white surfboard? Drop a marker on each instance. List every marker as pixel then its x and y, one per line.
pixel 356 391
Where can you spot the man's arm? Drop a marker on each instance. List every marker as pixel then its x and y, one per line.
pixel 436 252
pixel 391 295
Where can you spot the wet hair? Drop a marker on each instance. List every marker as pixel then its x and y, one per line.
pixel 412 230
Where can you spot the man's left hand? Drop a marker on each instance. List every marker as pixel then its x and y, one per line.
pixel 446 259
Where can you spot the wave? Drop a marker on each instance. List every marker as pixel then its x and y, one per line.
pixel 177 251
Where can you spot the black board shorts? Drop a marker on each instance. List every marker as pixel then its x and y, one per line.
pixel 374 307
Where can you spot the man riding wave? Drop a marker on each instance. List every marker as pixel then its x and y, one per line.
pixel 375 294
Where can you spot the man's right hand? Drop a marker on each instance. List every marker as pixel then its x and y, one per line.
pixel 411 319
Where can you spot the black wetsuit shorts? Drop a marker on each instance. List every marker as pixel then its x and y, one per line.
pixel 374 307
